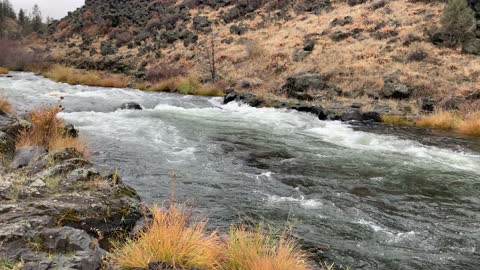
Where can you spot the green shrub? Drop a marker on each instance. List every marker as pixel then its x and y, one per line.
pixel 458 21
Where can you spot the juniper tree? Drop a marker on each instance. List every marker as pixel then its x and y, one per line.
pixel 458 21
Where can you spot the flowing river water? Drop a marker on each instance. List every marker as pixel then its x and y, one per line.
pixel 380 198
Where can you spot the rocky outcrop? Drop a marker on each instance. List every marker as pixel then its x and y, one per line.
pixel 393 88
pixel 308 86
pixel 59 203
pixel 345 113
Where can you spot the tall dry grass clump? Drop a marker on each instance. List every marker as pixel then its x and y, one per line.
pixel 183 85
pixel 440 120
pixel 471 124
pixel 255 250
pixel 3 70
pixel 74 76
pixel 5 106
pixel 48 130
pixel 171 238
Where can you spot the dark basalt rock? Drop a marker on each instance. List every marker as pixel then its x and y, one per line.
pixel 70 131
pixel 352 115
pixel 316 110
pixel 130 106
pixel 297 86
pixel 342 22
pixel 428 104
pixel 230 97
pixel 372 116
pixel 393 88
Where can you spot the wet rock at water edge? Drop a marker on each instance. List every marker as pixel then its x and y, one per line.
pixel 232 96
pixel 352 115
pixel 70 131
pixel 316 110
pixel 130 106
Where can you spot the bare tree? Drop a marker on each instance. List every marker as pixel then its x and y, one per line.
pixel 209 58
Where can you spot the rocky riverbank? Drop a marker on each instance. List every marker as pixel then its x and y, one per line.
pixel 57 209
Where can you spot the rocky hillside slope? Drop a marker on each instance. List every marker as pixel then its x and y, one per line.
pixel 356 47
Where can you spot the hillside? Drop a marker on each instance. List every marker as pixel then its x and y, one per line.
pixel 360 50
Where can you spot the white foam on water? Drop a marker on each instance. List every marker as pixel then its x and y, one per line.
pixel 306 203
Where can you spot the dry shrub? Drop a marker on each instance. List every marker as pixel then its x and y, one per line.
pixel 48 130
pixel 74 76
pixel 5 106
pixel 254 49
pixel 255 250
pixel 440 120
pixel 163 71
pixel 3 70
pixel 171 238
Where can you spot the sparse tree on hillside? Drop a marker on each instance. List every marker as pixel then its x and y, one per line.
pixel 209 58
pixel 36 18
pixel 458 21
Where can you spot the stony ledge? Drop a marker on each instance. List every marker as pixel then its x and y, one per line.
pixel 57 209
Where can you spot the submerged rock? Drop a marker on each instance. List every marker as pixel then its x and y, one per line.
pixel 130 106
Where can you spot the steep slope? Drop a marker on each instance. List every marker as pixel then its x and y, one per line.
pixel 361 50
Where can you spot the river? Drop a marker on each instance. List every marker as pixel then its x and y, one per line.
pixel 380 198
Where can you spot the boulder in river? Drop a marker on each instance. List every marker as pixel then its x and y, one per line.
pixel 130 106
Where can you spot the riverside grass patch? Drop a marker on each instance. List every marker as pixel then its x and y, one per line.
pixel 183 85
pixel 47 130
pixel 74 76
pixel 173 238
pixel 4 70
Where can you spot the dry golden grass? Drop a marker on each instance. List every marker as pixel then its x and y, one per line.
pixel 471 125
pixel 396 120
pixel 440 120
pixel 5 105
pixel 3 70
pixel 48 130
pixel 171 238
pixel 255 250
pixel 74 76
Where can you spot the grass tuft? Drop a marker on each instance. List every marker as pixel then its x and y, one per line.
pixel 74 76
pixel 5 106
pixel 3 70
pixel 48 130
pixel 255 250
pixel 171 238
